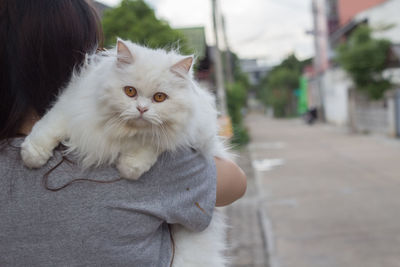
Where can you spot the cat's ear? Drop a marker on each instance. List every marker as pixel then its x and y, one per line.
pixel 183 66
pixel 124 55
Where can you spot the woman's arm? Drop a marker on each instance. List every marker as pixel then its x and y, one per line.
pixel 231 182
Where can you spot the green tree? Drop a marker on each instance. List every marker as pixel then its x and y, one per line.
pixel 280 87
pixel 364 59
pixel 238 74
pixel 236 95
pixel 136 21
pixel 236 100
pixel 277 88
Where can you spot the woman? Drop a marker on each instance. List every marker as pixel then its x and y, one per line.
pixel 109 222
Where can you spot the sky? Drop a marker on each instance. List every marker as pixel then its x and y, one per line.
pixel 268 30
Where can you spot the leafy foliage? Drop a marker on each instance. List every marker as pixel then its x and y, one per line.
pixel 236 96
pixel 136 21
pixel 365 58
pixel 240 135
pixel 277 88
pixel 236 99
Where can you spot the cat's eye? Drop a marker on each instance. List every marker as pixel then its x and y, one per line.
pixel 159 97
pixel 130 91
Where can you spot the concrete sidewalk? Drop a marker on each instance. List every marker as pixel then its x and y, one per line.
pixel 247 246
pixel 326 198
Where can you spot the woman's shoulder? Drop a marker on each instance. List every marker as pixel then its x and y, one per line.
pixel 185 156
pixel 60 169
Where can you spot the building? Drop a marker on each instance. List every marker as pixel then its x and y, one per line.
pixel 254 70
pixel 342 105
pixel 348 10
pixel 196 40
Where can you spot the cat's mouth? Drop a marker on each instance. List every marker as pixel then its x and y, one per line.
pixel 139 122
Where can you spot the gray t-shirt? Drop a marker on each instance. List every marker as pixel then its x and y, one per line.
pixel 123 223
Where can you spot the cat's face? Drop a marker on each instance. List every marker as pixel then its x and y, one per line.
pixel 150 91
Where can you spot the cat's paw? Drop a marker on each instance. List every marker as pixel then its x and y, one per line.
pixel 34 156
pixel 132 169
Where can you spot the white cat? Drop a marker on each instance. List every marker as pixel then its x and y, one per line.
pixel 146 104
pixel 126 107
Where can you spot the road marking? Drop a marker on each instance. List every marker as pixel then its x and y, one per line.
pixel 265 223
pixel 290 202
pixel 267 164
pixel 267 145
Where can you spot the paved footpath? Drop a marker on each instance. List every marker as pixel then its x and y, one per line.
pixel 245 236
pixel 320 197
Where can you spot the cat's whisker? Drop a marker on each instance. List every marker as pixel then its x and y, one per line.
pixel 127 115
pixel 154 119
pixel 112 123
pixel 153 136
pixel 166 139
pixel 156 136
pixel 156 139
pixel 163 136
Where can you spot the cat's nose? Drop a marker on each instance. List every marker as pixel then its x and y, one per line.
pixel 142 109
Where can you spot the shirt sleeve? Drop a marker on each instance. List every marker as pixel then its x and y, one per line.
pixel 188 189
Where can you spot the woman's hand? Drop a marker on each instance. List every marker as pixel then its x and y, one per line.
pixel 231 182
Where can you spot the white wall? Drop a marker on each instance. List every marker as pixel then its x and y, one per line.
pixel 393 74
pixel 387 13
pixel 369 116
pixel 336 84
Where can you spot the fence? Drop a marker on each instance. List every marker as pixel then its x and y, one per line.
pixel 379 116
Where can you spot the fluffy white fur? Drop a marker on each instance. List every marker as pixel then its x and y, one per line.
pixel 101 124
pixel 204 249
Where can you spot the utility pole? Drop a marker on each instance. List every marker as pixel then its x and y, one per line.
pixel 321 49
pixel 221 101
pixel 228 56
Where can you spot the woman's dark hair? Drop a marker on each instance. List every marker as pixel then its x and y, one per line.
pixel 41 41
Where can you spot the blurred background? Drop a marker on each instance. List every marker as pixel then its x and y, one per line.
pixel 309 95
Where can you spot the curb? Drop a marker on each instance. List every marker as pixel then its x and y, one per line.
pixel 265 223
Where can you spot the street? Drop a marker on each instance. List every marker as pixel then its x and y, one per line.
pixel 317 196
